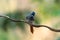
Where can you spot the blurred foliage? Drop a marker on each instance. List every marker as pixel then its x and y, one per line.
pixel 58 38
pixel 37 0
pixel 57 1
pixel 37 20
pixel 5 23
pixel 3 35
pixel 56 25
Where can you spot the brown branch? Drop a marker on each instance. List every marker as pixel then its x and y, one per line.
pixel 34 25
pixel 55 30
pixel 14 20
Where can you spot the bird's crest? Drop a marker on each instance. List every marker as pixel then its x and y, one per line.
pixel 33 13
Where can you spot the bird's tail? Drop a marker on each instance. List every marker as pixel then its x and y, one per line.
pixel 31 29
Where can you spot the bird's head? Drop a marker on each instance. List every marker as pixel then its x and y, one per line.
pixel 33 13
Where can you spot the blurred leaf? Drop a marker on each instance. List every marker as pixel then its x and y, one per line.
pixel 37 0
pixel 58 38
pixel 3 35
pixel 57 25
pixel 37 20
pixel 57 1
pixel 6 23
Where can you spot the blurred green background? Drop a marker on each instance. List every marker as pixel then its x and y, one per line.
pixel 47 12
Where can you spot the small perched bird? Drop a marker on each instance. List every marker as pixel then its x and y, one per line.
pixel 30 19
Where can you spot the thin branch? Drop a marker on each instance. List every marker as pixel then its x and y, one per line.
pixel 34 25
pixel 14 20
pixel 55 30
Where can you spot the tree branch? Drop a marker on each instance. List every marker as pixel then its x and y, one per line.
pixel 34 25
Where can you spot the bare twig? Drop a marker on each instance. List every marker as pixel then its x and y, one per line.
pixel 34 25
pixel 14 20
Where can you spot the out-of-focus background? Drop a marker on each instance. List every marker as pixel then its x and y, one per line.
pixel 47 13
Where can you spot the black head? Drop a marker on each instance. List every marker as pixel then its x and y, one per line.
pixel 33 13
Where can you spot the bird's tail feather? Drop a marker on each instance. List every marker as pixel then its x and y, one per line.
pixel 31 29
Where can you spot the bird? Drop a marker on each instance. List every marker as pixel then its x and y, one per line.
pixel 30 19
